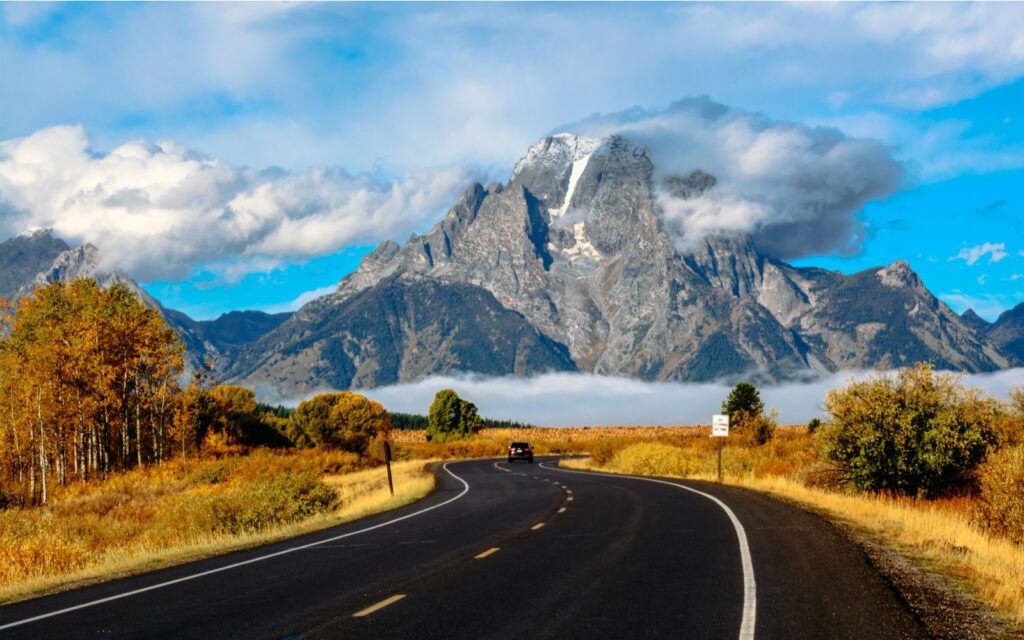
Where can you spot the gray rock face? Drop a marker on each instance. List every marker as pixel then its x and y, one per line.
pixel 574 243
pixel 974 321
pixel 24 256
pixel 401 329
pixel 1007 332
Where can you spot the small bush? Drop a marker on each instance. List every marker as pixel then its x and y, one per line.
pixel 913 432
pixel 813 425
pixel 248 507
pixel 654 459
pixel 755 427
pixel 1001 499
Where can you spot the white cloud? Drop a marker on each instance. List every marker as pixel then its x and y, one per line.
pixel 565 399
pixel 157 210
pixel 456 81
pixel 995 253
pixel 293 305
pixel 795 188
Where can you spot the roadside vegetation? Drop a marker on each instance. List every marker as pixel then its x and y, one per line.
pixel 153 516
pixel 112 460
pixel 913 458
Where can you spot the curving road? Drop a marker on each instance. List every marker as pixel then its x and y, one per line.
pixel 511 551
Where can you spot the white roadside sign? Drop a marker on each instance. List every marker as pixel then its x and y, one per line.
pixel 719 426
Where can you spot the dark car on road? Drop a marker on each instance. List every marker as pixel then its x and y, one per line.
pixel 520 451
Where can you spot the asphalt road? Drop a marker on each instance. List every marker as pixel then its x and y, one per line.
pixel 512 551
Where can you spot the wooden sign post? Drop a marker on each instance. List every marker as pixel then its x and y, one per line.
pixel 719 429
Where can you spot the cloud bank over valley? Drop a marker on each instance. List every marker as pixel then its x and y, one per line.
pixel 571 399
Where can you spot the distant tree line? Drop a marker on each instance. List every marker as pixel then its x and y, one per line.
pixel 407 421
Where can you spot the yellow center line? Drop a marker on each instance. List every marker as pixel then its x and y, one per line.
pixel 380 605
pixel 486 553
pixel 562 510
pixel 569 499
pixel 537 526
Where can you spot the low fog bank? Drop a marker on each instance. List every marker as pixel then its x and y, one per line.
pixel 569 399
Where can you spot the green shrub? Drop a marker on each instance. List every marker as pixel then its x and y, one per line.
pixel 813 425
pixel 451 418
pixel 1001 499
pixel 912 432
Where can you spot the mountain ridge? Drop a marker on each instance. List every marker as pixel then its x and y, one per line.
pixel 570 265
pixel 38 258
pixel 574 242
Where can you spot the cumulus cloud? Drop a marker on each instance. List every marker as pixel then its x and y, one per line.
pixel 995 253
pixel 568 399
pixel 156 210
pixel 794 188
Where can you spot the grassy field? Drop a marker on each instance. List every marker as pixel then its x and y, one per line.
pixel 943 533
pixel 161 515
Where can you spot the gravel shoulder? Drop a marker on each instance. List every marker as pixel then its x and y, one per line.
pixel 941 602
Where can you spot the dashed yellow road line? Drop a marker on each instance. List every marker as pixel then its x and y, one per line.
pixel 380 605
pixel 562 510
pixel 486 553
pixel 537 526
pixel 569 499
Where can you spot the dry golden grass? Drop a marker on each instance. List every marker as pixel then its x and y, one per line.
pixel 153 517
pixel 941 532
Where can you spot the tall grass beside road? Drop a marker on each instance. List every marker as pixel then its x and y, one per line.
pixel 154 516
pixel 944 532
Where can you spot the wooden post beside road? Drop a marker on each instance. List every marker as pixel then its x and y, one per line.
pixel 719 460
pixel 387 461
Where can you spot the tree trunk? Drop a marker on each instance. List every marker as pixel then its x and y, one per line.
pixel 42 447
pixel 31 464
pixel 138 433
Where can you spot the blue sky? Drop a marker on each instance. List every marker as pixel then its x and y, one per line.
pixel 235 156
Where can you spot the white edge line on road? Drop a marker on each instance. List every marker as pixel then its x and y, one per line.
pixel 749 586
pixel 465 489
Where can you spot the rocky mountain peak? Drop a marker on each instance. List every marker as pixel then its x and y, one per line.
pixel 24 256
pixel 974 321
pixel 899 274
